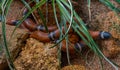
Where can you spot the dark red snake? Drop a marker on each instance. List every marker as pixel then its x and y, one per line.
pixel 38 32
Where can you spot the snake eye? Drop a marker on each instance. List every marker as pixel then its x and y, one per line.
pixel 105 35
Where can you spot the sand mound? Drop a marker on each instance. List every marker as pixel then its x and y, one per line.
pixel 37 56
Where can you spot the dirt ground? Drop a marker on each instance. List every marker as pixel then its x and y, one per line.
pixel 37 56
pixel 102 19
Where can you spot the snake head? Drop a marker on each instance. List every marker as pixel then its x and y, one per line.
pixel 105 35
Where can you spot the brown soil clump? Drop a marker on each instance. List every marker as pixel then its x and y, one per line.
pixel 74 67
pixel 110 22
pixel 37 56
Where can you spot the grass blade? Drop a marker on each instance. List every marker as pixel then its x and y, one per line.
pixel 4 10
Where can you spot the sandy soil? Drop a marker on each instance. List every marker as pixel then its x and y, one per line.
pixel 37 56
pixel 102 19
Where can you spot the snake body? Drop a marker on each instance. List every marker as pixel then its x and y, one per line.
pixel 39 32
